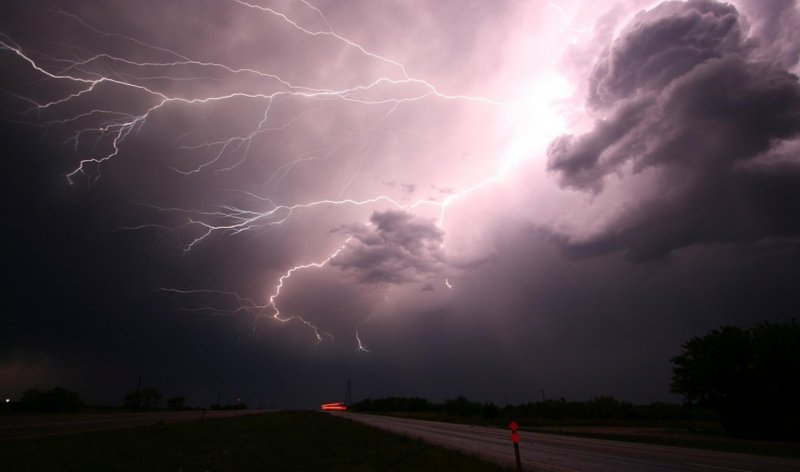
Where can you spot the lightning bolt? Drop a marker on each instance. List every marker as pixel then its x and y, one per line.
pixel 360 347
pixel 115 128
pixel 273 298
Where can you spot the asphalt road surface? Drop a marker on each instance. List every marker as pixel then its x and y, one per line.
pixel 36 426
pixel 546 452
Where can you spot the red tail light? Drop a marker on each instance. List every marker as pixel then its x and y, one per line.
pixel 338 406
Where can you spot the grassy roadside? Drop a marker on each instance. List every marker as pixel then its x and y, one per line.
pixel 283 441
pixel 691 435
pixel 723 444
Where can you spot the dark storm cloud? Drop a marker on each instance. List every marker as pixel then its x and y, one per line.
pixel 687 100
pixel 662 44
pixel 395 248
pixel 584 160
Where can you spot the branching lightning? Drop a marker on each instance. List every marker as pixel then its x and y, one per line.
pixel 118 127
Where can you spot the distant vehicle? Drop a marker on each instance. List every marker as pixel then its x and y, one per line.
pixel 338 406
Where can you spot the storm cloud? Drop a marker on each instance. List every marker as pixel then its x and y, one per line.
pixel 697 108
pixel 396 248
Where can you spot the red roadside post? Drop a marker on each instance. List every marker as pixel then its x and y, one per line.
pixel 515 437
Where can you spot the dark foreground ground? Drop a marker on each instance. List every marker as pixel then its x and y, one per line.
pixel 280 441
pixel 23 426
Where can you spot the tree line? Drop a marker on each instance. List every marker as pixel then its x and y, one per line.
pixel 598 408
pixel 63 400
pixel 747 379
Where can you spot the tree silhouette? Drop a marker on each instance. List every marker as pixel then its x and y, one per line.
pixel 57 399
pixel 176 403
pixel 147 397
pixel 748 376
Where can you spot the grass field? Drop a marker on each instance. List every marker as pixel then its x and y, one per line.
pixel 282 441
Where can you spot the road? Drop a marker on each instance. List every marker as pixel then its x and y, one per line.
pixel 547 452
pixel 36 426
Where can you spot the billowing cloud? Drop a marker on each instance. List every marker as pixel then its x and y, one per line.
pixel 396 247
pixel 662 44
pixel 687 102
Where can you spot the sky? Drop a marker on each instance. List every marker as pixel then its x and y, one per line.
pixel 505 200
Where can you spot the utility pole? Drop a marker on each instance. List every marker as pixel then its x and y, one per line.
pixel 348 395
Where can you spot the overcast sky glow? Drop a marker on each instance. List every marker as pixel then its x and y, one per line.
pixel 265 198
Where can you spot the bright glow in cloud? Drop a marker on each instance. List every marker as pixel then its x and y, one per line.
pixel 536 119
